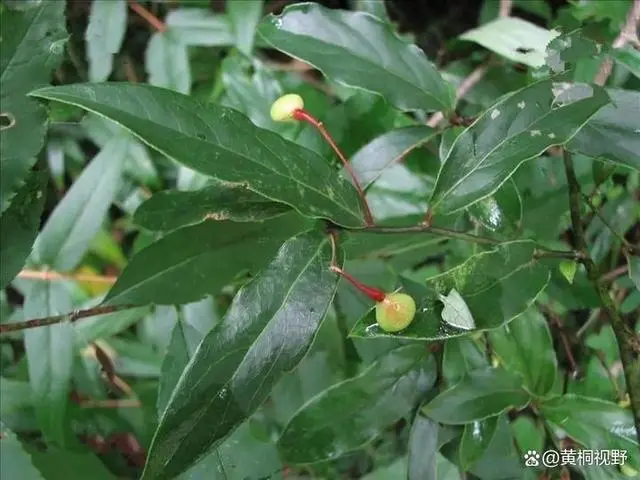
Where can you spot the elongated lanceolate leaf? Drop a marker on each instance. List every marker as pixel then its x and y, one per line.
pixel 266 332
pixel 105 32
pixel 360 50
pixel 222 143
pixel 517 128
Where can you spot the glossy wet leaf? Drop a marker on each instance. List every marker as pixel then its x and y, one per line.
pixel 16 462
pixel 501 212
pixel 351 413
pixel 475 440
pixel 216 201
pixel 340 44
pixel 497 286
pixel 480 394
pixel 167 62
pixel 613 132
pixel 595 424
pixel 49 352
pixel 19 225
pixel 426 439
pixel 32 45
pixel 221 143
pixel 197 260
pixel 244 17
pixel 266 332
pixel 517 128
pixel 370 161
pixel 500 459
pixel 104 36
pixel 77 219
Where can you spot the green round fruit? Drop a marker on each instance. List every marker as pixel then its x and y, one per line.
pixel 395 312
pixel 283 108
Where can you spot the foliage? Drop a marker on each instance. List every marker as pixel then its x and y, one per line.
pixel 170 251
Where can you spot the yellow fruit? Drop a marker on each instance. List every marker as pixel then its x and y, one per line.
pixel 283 108
pixel 395 312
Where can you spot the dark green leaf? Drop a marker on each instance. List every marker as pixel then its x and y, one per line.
pixel 481 394
pixel 528 433
pixel 425 463
pixel 620 214
pixel 349 414
pixel 104 36
pixel 193 261
pixel 358 49
pixel 500 461
pixel 613 133
pixel 500 213
pixel 629 57
pixel 594 423
pixel 517 128
pixel 634 270
pixel 525 347
pixel 570 49
pixel 77 219
pixel 66 465
pixel 461 356
pixel 475 439
pixel 195 26
pixel 497 286
pixel 169 210
pixel 244 17
pixel 370 161
pixel 222 143
pixel 167 62
pixel 266 332
pixel 19 225
pixel 32 45
pixel 15 395
pixel 49 357
pixel 16 462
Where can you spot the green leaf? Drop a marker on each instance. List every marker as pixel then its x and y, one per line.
pixel 497 286
pixel 456 312
pixel 513 38
pixel 77 219
pixel 19 225
pixel 266 332
pixel 426 438
pixel 382 152
pixel 244 17
pixel 634 270
pixel 351 413
pixel 170 209
pixel 529 433
pixel 65 465
pixel 107 325
pixel 500 459
pixel 341 45
pixel 595 424
pixel 461 356
pixel 613 132
pixel 568 269
pixel 104 36
pixel 476 438
pixel 480 394
pixel 195 26
pixel 16 462
pixel 221 143
pixel 525 346
pixel 167 62
pixel 629 57
pixel 32 45
pixel 15 395
pixel 197 260
pixel 517 128
pixel 49 353
pixel 501 212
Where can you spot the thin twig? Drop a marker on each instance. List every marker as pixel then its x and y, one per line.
pixel 80 277
pixel 505 8
pixel 615 273
pixel 150 18
pixel 111 403
pixel 628 340
pixel 70 317
pixel 604 221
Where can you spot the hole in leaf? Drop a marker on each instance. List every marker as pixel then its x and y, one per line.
pixel 6 121
pixel 524 50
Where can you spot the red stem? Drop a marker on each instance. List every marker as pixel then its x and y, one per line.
pixel 303 115
pixel 373 293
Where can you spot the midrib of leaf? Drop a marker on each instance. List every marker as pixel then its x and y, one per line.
pixel 479 165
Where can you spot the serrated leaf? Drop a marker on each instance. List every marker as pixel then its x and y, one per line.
pixel 170 209
pixel 341 45
pixel 222 143
pixel 266 332
pixel 349 414
pixel 513 38
pixel 525 346
pixel 480 394
pixel 475 440
pixel 497 286
pixel 32 45
pixel 244 17
pixel 104 36
pixel 16 462
pixel 19 225
pixel 197 260
pixel 614 132
pixel 77 219
pixel 195 26
pixel 517 128
pixel 595 424
pixel 167 62
pixel 49 352
pixel 382 152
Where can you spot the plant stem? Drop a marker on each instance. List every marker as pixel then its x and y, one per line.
pixel 151 19
pixel 304 116
pixel 628 340
pixel 604 221
pixel 80 277
pixel 374 294
pixel 71 317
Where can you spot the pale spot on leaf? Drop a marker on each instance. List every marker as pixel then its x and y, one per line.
pixel 552 135
pixel 495 114
pixel 535 133
pixel 522 104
